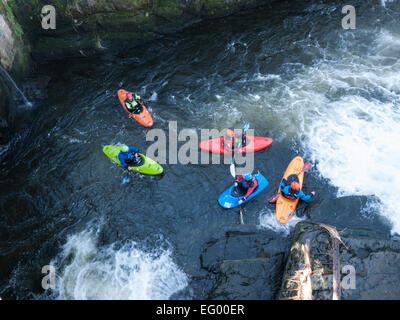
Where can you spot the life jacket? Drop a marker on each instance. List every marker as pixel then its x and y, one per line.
pixel 250 183
pixel 133 106
pixel 131 103
pixel 292 193
pixel 135 161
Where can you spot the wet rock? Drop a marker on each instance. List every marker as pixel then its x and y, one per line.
pixel 362 253
pixel 86 27
pixel 4 129
pixel 14 60
pixel 238 245
pixel 14 47
pixel 248 264
pixel 253 279
pixel 370 263
pixel 336 212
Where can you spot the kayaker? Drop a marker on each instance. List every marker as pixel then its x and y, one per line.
pixel 290 189
pixel 132 104
pixel 129 156
pixel 248 182
pixel 234 142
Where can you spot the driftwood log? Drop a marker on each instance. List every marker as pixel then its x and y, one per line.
pixel 336 240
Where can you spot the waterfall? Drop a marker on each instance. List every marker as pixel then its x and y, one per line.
pixel 7 79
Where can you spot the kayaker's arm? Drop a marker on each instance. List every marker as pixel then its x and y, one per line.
pixel 132 149
pixel 301 195
pixel 284 189
pixel 250 190
pixel 123 163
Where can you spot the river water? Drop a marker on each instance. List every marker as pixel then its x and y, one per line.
pixel 292 71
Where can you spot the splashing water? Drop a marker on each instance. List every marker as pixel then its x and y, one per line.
pixel 110 273
pixel 267 220
pixel 347 110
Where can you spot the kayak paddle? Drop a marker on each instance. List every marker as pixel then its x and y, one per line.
pixel 241 215
pixel 306 167
pixel 246 126
pixel 232 169
pixel 124 180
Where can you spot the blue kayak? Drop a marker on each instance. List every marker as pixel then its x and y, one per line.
pixel 230 197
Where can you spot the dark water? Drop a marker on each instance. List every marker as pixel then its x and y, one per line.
pixel 288 70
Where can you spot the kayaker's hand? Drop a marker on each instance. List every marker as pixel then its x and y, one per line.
pixel 129 168
pixel 312 193
pixel 236 184
pixel 240 201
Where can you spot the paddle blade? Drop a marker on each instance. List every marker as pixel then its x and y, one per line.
pixel 246 126
pixel 306 166
pixel 241 216
pixel 233 169
pixel 124 180
pixel 273 198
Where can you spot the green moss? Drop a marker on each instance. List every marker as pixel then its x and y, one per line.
pixel 169 8
pixel 11 19
pixel 82 23
pixel 54 46
pixel 221 7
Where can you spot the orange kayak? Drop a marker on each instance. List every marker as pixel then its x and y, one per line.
pixel 286 207
pixel 144 118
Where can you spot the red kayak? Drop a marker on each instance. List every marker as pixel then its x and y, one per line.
pixel 253 144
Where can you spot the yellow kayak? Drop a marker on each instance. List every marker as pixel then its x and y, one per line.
pixel 286 207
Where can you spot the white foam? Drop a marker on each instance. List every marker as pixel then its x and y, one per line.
pixel 355 140
pixel 267 220
pixel 347 112
pixel 154 96
pixel 90 272
pixel 383 2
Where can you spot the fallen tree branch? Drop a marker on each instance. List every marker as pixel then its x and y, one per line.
pixel 335 237
pixel 303 277
pixel 337 290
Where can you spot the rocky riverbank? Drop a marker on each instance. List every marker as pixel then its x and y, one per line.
pixel 269 269
pixel 14 59
pixel 86 27
pixel 243 271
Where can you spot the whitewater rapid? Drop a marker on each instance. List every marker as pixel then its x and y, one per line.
pixel 345 111
pixel 129 271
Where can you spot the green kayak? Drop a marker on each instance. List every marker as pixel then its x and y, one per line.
pixel 147 167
